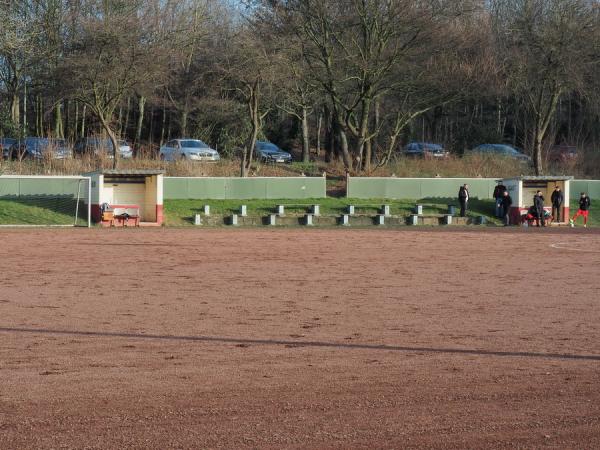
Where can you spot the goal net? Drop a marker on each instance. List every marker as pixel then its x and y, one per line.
pixel 44 201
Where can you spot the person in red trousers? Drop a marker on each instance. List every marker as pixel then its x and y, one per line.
pixel 584 210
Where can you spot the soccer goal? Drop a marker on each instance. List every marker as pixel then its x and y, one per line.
pixel 45 200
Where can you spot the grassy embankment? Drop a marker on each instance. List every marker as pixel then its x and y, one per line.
pixel 40 212
pixel 181 212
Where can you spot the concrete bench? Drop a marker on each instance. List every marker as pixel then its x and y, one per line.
pixel 381 209
pixel 315 210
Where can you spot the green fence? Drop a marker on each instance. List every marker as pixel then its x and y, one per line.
pixel 590 187
pixel 417 188
pixel 42 186
pixel 244 188
pixel 44 200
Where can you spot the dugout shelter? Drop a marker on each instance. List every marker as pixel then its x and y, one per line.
pixel 522 190
pixel 134 196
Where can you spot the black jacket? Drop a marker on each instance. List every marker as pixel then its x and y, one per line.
pixel 463 194
pixel 499 191
pixel 538 202
pixel 506 203
pixel 584 203
pixel 557 198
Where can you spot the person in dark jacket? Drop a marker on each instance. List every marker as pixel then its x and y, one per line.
pixel 584 210
pixel 538 202
pixel 499 197
pixel 463 199
pixel 557 199
pixel 506 204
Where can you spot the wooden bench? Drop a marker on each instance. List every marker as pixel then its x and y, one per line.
pixel 109 216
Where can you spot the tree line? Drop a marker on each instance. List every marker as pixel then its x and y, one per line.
pixel 346 80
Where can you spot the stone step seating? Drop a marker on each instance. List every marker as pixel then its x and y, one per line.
pixel 309 215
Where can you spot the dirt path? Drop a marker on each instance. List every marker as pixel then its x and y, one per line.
pixel 299 339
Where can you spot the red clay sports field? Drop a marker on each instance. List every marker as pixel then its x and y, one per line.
pixel 413 338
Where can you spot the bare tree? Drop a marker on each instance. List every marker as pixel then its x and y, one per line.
pixel 548 48
pixel 248 73
pixel 119 47
pixel 19 48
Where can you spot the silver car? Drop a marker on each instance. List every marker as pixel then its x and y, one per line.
pixel 187 149
pixel 98 146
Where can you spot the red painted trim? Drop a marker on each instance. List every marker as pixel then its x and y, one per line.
pixel 160 214
pixel 96 214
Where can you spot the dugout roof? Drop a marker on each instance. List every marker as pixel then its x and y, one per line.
pixel 540 178
pixel 128 172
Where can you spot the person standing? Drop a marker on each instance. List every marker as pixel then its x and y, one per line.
pixel 499 197
pixel 538 203
pixel 557 199
pixel 463 199
pixel 506 204
pixel 584 210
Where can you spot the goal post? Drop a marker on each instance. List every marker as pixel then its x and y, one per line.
pixel 35 200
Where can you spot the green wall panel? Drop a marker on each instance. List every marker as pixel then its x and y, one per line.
pixel 590 187
pixel 244 188
pixel 40 187
pixel 9 187
pixel 417 188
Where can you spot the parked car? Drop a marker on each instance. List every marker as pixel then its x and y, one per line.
pixel 268 152
pixel 500 150
pixel 562 153
pixel 40 148
pixel 99 145
pixel 5 144
pixel 425 149
pixel 189 149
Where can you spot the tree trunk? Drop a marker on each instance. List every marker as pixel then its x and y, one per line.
pixel 67 125
pixel 25 110
pixel 39 116
pixel 329 135
pixel 342 139
pixel 537 153
pixel 120 121
pixel 184 120
pixel 151 131
pixel 113 139
pixel 243 170
pixel 82 134
pixel 254 113
pixel 248 156
pixel 126 124
pixel 58 122
pixel 76 122
pixel 374 142
pixel 318 135
pixel 344 147
pixel 305 136
pixel 15 111
pixel 362 135
pixel 368 156
pixel 162 128
pixel 138 130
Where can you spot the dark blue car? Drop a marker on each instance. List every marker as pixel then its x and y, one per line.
pixel 269 153
pixel 500 150
pixel 40 148
pixel 5 144
pixel 424 150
